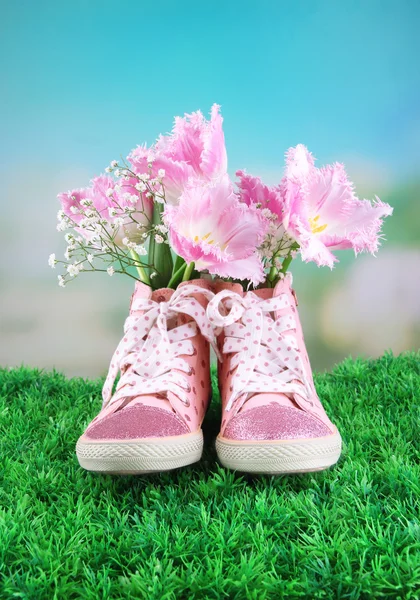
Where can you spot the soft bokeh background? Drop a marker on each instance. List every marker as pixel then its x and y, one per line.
pixel 85 81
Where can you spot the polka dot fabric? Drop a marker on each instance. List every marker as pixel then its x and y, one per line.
pixel 150 355
pixel 264 351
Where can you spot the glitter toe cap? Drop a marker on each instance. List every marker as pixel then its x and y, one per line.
pixel 137 422
pixel 274 422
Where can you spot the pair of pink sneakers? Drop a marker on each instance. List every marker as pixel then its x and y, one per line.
pixel 272 418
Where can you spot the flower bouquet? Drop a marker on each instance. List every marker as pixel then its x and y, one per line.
pixel 170 214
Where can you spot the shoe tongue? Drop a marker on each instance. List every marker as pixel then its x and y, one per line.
pixel 263 293
pixel 226 285
pixel 144 292
pixel 141 292
pixel 162 295
pixel 283 285
pixel 202 283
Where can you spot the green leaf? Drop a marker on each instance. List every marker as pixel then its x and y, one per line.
pixel 160 254
pixel 179 262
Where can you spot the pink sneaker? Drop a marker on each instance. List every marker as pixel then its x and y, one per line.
pixel 272 418
pixel 153 420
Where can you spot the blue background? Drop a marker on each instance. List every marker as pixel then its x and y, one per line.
pixel 84 82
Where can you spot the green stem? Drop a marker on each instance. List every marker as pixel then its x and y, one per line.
pixel 188 271
pixel 272 274
pixel 286 263
pixel 144 277
pixel 272 277
pixel 179 262
pixel 173 280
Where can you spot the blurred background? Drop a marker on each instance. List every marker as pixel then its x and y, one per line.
pixel 83 82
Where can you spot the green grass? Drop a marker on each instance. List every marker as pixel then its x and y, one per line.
pixel 204 532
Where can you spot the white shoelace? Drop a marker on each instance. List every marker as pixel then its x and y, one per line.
pixel 149 355
pixel 266 353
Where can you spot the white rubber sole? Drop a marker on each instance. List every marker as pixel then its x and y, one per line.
pixel 279 457
pixel 148 455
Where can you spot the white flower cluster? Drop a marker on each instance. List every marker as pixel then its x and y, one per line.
pixel 277 244
pixel 114 236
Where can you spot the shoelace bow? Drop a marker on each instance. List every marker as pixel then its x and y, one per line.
pixel 149 355
pixel 266 353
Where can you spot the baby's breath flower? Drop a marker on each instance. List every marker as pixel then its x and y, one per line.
pixel 110 270
pixel 161 228
pixel 266 252
pixel 90 258
pixel 96 226
pixel 125 241
pixel 109 192
pixel 74 210
pixel 108 170
pixel 61 281
pixel 52 261
pixel 140 186
pixel 141 250
pixel 112 211
pixel 159 239
pixel 73 270
pixel 161 173
pixel 117 173
pixel 62 226
pixel 277 262
pixel 266 212
pixel 86 202
pixel 119 222
pixel 113 164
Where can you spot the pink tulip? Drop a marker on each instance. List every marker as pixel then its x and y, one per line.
pixel 216 231
pixel 194 150
pixel 322 212
pixel 253 191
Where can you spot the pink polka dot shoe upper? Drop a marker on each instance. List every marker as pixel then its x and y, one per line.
pixel 164 365
pixel 265 378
